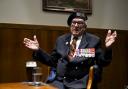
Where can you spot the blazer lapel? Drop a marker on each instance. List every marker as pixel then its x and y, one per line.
pixel 83 42
pixel 67 43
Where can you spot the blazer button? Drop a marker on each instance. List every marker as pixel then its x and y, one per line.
pixel 75 79
pixel 76 68
pixel 64 77
pixel 82 62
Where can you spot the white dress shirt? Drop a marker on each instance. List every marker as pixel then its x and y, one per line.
pixel 77 42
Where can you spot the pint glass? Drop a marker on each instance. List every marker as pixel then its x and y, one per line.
pixel 30 65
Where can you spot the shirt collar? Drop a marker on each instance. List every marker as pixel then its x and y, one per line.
pixel 79 38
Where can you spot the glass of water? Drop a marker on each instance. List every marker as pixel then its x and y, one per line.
pixel 37 76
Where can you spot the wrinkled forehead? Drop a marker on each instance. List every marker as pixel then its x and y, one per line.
pixel 78 19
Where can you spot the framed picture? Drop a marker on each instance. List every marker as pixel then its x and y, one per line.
pixel 68 5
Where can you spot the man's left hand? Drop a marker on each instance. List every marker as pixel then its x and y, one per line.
pixel 110 38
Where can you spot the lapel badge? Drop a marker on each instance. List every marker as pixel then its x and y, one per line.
pixel 66 43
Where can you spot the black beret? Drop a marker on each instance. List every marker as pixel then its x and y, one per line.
pixel 76 15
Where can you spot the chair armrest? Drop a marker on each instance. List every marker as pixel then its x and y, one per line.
pixel 91 76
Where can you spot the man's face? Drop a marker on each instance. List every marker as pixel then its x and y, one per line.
pixel 78 27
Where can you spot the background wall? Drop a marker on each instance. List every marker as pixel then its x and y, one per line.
pixel 108 14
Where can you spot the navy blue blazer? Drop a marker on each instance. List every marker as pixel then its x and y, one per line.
pixel 75 73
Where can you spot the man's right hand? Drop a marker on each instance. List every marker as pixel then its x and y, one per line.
pixel 31 44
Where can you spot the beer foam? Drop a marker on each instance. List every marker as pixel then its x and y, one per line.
pixel 31 64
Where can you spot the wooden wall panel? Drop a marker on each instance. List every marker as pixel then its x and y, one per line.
pixel 13 54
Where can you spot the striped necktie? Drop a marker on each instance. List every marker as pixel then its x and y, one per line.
pixel 73 46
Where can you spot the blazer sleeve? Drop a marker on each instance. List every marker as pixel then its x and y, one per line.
pixel 103 57
pixel 45 58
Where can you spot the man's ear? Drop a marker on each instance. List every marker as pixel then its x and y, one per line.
pixel 85 25
pixel 86 22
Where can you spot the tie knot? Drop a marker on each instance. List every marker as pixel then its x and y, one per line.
pixel 75 38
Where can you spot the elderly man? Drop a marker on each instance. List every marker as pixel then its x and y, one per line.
pixel 74 53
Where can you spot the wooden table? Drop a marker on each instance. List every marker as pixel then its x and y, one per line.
pixel 24 86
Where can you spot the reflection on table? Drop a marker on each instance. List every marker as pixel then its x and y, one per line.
pixel 23 85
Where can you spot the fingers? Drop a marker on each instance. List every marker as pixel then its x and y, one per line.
pixel 109 33
pixel 28 43
pixel 35 39
pixel 114 34
pixel 26 40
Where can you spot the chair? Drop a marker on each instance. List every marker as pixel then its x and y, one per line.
pixel 52 74
pixel 91 76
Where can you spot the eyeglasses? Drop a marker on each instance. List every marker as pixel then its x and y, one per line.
pixel 77 22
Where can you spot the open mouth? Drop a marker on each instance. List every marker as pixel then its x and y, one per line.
pixel 77 29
